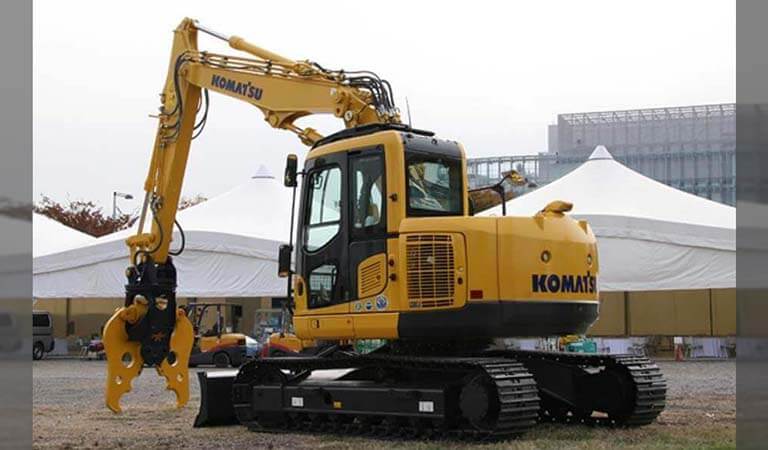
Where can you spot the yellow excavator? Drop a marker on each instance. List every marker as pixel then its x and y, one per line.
pixel 385 248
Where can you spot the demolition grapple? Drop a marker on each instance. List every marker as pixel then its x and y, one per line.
pixel 150 330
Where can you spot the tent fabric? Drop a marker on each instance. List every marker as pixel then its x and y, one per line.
pixel 650 236
pixel 637 265
pixel 259 208
pixel 51 236
pixel 213 270
pixel 231 248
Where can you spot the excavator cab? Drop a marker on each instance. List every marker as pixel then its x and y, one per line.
pixel 386 248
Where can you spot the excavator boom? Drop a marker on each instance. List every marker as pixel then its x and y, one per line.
pixel 283 89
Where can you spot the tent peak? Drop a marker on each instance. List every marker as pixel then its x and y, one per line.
pixel 263 172
pixel 600 152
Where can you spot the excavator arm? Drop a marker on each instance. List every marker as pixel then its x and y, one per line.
pixel 150 329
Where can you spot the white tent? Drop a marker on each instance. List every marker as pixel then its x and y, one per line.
pixel 232 242
pixel 259 208
pixel 650 236
pixel 50 236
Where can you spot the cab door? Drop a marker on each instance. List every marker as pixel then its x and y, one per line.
pixel 323 237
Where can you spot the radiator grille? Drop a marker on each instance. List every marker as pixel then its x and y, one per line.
pixel 430 265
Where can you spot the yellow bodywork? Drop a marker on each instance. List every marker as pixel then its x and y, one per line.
pixel 289 341
pixel 495 258
pixel 208 343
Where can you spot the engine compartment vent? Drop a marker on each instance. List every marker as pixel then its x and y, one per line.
pixel 372 276
pixel 430 268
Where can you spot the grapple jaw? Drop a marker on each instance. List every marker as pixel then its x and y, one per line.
pixel 149 330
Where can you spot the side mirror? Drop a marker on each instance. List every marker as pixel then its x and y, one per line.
pixel 291 163
pixel 284 261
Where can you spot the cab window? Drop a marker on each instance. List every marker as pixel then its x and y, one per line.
pixel 322 285
pixel 367 195
pixel 434 185
pixel 324 217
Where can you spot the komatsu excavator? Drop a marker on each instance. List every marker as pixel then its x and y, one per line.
pixel 385 248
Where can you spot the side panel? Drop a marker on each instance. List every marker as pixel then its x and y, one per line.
pixel 482 248
pixel 546 258
pixel 330 322
pixel 337 326
pixel 376 326
pixel 503 255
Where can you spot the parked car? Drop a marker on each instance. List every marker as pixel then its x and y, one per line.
pixel 42 334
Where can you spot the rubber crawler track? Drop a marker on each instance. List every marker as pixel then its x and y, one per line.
pixel 515 389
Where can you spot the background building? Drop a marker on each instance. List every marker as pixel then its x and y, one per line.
pixel 691 148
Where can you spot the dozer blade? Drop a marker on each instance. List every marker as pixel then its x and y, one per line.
pixel 216 407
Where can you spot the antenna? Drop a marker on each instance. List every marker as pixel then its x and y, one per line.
pixel 408 109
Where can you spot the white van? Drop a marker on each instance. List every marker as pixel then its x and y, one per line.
pixel 42 334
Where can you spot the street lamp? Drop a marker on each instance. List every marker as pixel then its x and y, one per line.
pixel 114 201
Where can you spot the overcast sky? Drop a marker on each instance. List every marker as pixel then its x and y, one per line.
pixel 492 75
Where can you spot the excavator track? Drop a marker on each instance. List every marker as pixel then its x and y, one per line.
pixel 460 398
pixel 600 390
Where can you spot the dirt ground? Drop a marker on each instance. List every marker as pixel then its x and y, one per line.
pixel 69 413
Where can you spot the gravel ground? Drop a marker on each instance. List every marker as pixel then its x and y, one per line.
pixel 69 413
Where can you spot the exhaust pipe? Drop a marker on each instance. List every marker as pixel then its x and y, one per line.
pixel 216 408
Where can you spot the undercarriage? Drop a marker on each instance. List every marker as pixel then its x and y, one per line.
pixel 489 394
